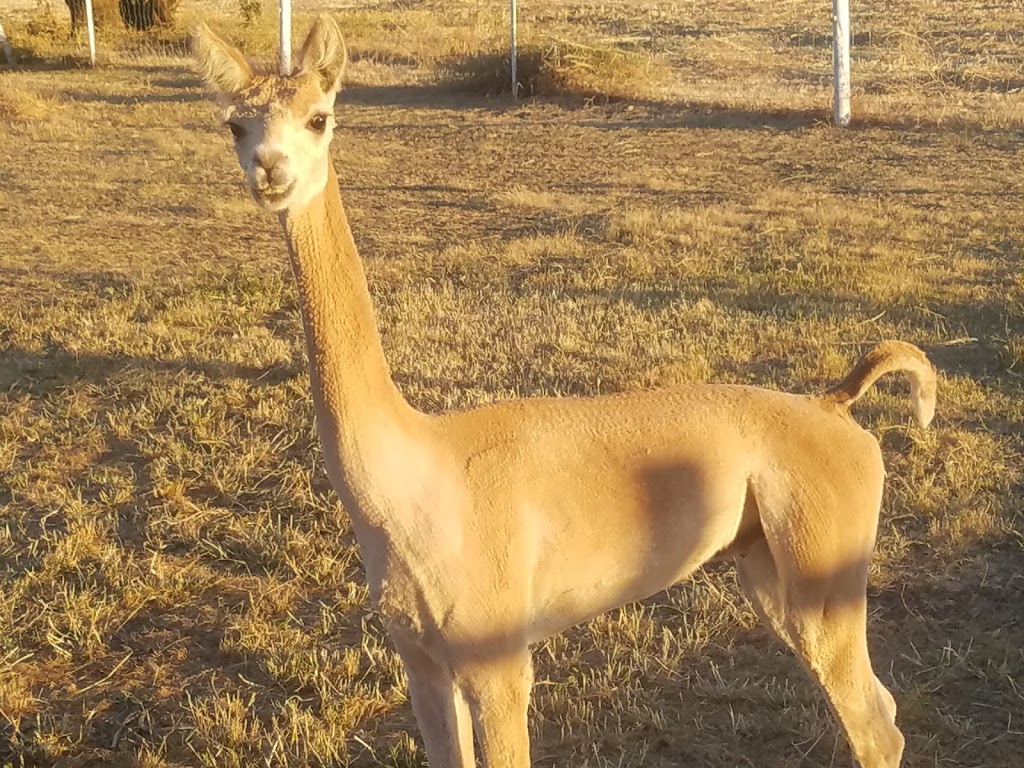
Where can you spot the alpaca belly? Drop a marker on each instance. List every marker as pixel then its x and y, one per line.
pixel 581 600
pixel 616 559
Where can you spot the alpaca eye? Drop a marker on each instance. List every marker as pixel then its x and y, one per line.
pixel 236 130
pixel 318 123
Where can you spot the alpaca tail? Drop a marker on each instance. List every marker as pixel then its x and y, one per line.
pixel 885 358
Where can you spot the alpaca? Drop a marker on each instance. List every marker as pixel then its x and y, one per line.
pixel 488 529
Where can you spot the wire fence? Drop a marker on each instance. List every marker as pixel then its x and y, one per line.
pixel 121 32
pixel 146 13
pixel 920 57
pixel 126 32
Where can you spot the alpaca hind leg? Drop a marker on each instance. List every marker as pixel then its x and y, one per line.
pixel 824 621
pixel 887 700
pixel 834 647
pixel 760 582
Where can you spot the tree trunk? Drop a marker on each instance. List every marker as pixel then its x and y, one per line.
pixel 137 14
pixel 144 14
pixel 104 13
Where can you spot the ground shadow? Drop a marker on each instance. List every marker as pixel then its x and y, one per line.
pixel 624 113
pixel 95 97
pixel 620 113
pixel 662 114
pixel 27 61
pixel 424 96
pixel 41 373
pixel 912 629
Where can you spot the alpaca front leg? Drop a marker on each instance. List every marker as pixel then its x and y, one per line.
pixel 499 698
pixel 442 713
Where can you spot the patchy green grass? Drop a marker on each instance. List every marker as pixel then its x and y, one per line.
pixel 177 583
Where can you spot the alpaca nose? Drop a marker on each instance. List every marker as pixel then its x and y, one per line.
pixel 270 167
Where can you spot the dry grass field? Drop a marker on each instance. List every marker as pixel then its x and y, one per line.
pixel 178 586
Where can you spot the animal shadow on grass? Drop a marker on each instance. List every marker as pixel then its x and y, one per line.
pixel 952 645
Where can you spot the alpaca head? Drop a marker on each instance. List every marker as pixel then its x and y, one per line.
pixel 281 126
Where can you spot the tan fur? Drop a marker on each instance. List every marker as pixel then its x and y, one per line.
pixel 485 530
pixel 325 57
pixel 220 64
pixel 887 357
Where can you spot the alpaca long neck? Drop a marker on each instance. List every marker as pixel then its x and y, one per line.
pixel 361 416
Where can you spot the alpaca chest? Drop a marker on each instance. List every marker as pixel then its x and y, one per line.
pixel 416 604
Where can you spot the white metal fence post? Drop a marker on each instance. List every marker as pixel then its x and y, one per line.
pixel 841 60
pixel 5 44
pixel 513 52
pixel 285 13
pixel 90 24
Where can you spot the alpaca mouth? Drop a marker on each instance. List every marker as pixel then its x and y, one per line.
pixel 272 197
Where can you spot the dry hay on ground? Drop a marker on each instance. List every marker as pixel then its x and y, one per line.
pixel 179 587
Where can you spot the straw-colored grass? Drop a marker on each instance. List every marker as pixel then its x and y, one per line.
pixel 559 67
pixel 178 585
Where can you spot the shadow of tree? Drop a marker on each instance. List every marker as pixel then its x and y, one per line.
pixel 95 97
pixel 39 374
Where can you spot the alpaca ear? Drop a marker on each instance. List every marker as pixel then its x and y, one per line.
pixel 324 54
pixel 221 65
